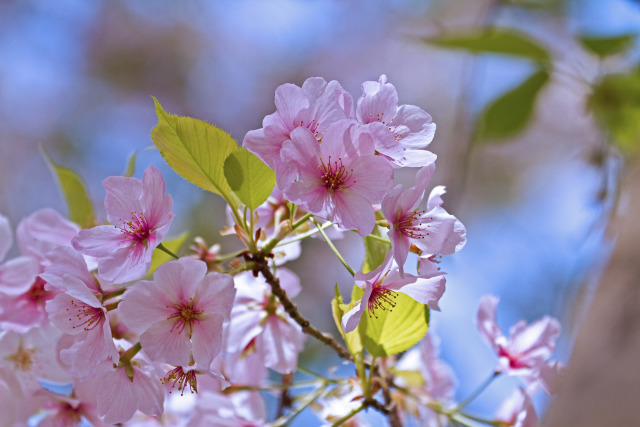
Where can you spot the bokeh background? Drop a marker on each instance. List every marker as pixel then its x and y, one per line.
pixel 536 188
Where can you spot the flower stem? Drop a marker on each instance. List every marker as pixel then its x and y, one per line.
pixel 303 235
pixel 475 394
pixel 128 355
pixel 334 249
pixel 301 221
pixel 113 294
pixel 286 419
pixel 380 239
pixel 349 415
pixel 167 251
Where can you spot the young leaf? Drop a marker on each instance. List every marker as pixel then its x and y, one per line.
pixel 338 309
pixel 131 165
pixel 375 250
pixel 75 193
pixel 503 41
pixel 392 332
pixel 159 257
pixel 606 46
pixel 511 112
pixel 195 149
pixel 614 102
pixel 249 177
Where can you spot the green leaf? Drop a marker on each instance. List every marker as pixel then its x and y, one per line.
pixel 159 257
pixel 75 193
pixel 395 331
pixel 511 112
pixel 249 177
pixel 338 309
pixel 606 46
pixel 195 149
pixel 131 165
pixel 503 41
pixel 616 106
pixel 375 250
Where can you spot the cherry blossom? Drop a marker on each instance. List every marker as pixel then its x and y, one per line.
pixel 17 274
pixel 140 215
pixel 314 106
pixel 517 411
pixel 243 409
pixel 43 231
pixel 381 285
pixel 338 180
pixel 432 230
pixel 526 352
pixel 79 311
pixel 259 322
pixel 411 128
pixel 181 311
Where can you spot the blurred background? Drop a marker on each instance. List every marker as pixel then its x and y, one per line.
pixel 537 104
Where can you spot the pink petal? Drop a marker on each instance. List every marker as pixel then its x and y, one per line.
pixel 207 339
pixel 354 212
pixel 379 101
pixel 17 275
pixel 43 231
pixel 100 241
pixel 435 197
pixel 6 237
pixel 123 198
pixel 177 280
pixel 487 325
pixel 161 342
pixel 215 294
pixel 279 344
pixel 245 325
pixel 126 264
pixel 155 203
pixel 419 125
pixel 425 291
pixel 142 306
pixel 351 318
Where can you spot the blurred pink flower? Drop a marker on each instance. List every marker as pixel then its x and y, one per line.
pixel 140 216
pixel 314 107
pixel 259 322
pixel 241 409
pixel 525 352
pixel 181 311
pixel 432 231
pixel 339 179
pixel 411 128
pixel 43 231
pixel 380 288
pixel 517 411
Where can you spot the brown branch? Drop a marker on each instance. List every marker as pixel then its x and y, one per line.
pixel 262 266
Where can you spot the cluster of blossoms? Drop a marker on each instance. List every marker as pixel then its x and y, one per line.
pixel 94 331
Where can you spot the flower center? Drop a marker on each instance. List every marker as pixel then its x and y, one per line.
pixel 381 299
pixel 313 127
pixel 335 176
pixel 22 359
pixel 87 317
pixel 514 361
pixel 37 294
pixel 137 228
pixel 181 379
pixel 411 224
pixel 379 117
pixel 185 316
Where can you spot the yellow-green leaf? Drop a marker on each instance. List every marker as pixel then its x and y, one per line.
pixel 75 193
pixel 131 165
pixel 249 177
pixel 511 112
pixel 338 309
pixel 615 101
pixel 503 41
pixel 606 46
pixel 375 250
pixel 195 149
pixel 159 257
pixel 391 332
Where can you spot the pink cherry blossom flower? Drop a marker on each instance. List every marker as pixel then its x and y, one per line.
pixel 339 402
pixel 78 310
pixel 66 411
pixel 140 216
pixel 259 322
pixel 31 356
pixel 119 391
pixel 432 230
pixel 242 409
pixel 180 312
pixel 339 179
pixel 43 231
pixel 517 411
pixel 16 275
pixel 380 287
pixel 526 352
pixel 314 107
pixel 410 127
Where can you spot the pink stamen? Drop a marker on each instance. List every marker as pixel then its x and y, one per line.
pixel 335 176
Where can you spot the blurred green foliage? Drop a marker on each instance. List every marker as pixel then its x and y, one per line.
pixel 606 46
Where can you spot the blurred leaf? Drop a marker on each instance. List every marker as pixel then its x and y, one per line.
pixel 615 101
pixel 75 193
pixel 131 165
pixel 375 250
pixel 511 112
pixel 338 309
pixel 159 257
pixel 394 331
pixel 606 46
pixel 249 177
pixel 503 41
pixel 411 378
pixel 195 149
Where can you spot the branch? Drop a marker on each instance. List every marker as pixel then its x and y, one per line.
pixel 261 265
